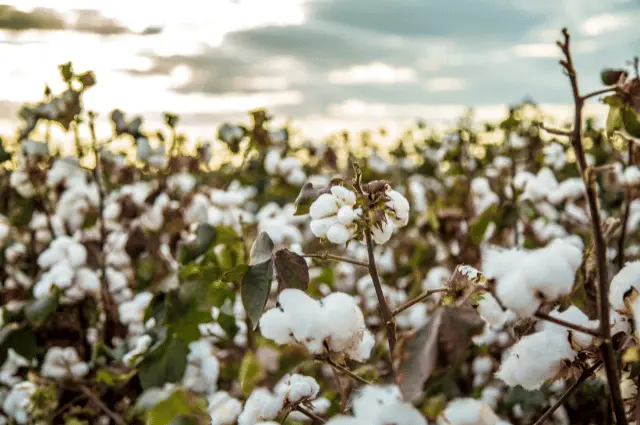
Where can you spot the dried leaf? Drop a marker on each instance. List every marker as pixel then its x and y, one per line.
pixel 256 283
pixel 291 270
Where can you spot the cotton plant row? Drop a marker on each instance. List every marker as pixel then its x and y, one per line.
pixel 469 258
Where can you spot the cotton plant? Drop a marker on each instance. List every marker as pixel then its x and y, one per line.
pixel 287 167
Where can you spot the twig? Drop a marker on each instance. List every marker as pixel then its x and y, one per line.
pixel 96 400
pixel 598 93
pixel 416 300
pixel 555 131
pixel 310 415
pixel 327 256
pixel 346 371
pixel 568 325
pixel 606 348
pixel 387 318
pixel 585 375
pixel 627 210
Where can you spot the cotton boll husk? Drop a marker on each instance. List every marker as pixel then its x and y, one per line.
pixel 363 351
pixel 623 281
pixel 514 294
pixel 467 411
pixel 619 323
pixel 535 359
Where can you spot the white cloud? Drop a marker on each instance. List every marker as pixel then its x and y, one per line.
pixel 373 73
pixel 607 22
pixel 536 50
pixel 443 84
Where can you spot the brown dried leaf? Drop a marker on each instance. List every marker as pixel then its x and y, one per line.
pixel 291 270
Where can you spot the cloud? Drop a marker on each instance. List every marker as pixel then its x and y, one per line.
pixel 445 84
pixel 46 19
pixel 373 73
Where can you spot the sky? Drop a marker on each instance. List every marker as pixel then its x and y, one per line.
pixel 325 64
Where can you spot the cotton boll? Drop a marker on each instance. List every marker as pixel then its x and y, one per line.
pixel 623 281
pixel 363 351
pixel 371 400
pixel 338 234
pixel 347 215
pixel 570 249
pixel 305 315
pixel 77 254
pixel 490 310
pixel 535 359
pixel 271 161
pixel 401 414
pixel 619 323
pixel 399 207
pixel 548 273
pixel 63 362
pixel 260 405
pixel 296 388
pixel 482 365
pixel 344 321
pixel 514 294
pixel 17 404
pixel 87 280
pixel 382 233
pixel 573 315
pixel 632 175
pixel 343 196
pixel 296 177
pixel 223 408
pixel 467 411
pixel 274 325
pixel 498 262
pixel 326 205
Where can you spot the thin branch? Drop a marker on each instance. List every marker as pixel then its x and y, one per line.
pixel 556 131
pixel 416 300
pixel 346 371
pixel 585 375
pixel 309 414
pixel 568 325
pixel 327 256
pixel 96 400
pixel 598 93
pixel 606 348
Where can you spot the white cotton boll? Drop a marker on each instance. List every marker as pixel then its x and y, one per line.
pixel 17 404
pixel 382 233
pixel 198 209
pixel 272 161
pixel 77 254
pixel 274 325
pixel 467 411
pixel 321 226
pixel 498 262
pixel 344 321
pixel 296 388
pixel 515 295
pixel 482 365
pixel 63 362
pixel 319 406
pixel 399 207
pixel 628 277
pixel 547 272
pixel 573 315
pixel 535 359
pixel 490 310
pixel 223 408
pixel 152 219
pixel 371 400
pixel 363 351
pixel 87 280
pixel 142 344
pixel 346 420
pixel 490 396
pixel 343 196
pixel 288 164
pixel 326 205
pixel 619 323
pixel 347 215
pixel 116 281
pixel 401 414
pixel 632 175
pixel 570 249
pixel 133 311
pixel 296 177
pixel 338 233
pixel 305 315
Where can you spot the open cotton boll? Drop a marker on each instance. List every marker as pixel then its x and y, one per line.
pixel 296 388
pixel 369 401
pixel 63 363
pixel 548 273
pixel 261 405
pixel 347 215
pixel 382 233
pixel 535 359
pixel 338 234
pixel 632 175
pixel 305 314
pixel 326 205
pixel 467 411
pixel 344 321
pixel 18 404
pixel 401 414
pixel 626 279
pixel 398 208
pixel 498 262
pixel 490 310
pixel 363 351
pixel 515 295
pixel 343 196
pixel 572 315
pixel 223 408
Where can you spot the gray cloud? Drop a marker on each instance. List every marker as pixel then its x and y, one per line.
pixel 88 21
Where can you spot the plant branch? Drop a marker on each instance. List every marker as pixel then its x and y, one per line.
pixel 627 210
pixel 309 414
pixel 346 371
pixel 585 375
pixel 327 256
pixel 556 131
pixel 96 400
pixel 568 325
pixel 606 348
pixel 416 300
pixel 598 93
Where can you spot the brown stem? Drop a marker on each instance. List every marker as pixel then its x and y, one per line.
pixel 625 217
pixel 585 375
pixel 327 256
pixel 96 400
pixel 568 325
pixel 598 93
pixel 309 414
pixel 346 371
pixel 416 300
pixel 606 348
pixel 556 131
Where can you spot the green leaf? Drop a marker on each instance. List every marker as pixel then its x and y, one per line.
pixel 261 250
pixel 255 289
pixel 22 212
pixel 235 274
pixel 166 362
pixel 481 223
pixel 614 120
pixel 4 155
pixel 38 311
pixel 112 378
pixel 165 411
pixel 291 270
pixel 20 338
pixel 610 76
pixel 205 237
pixel 251 373
pixel 631 121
